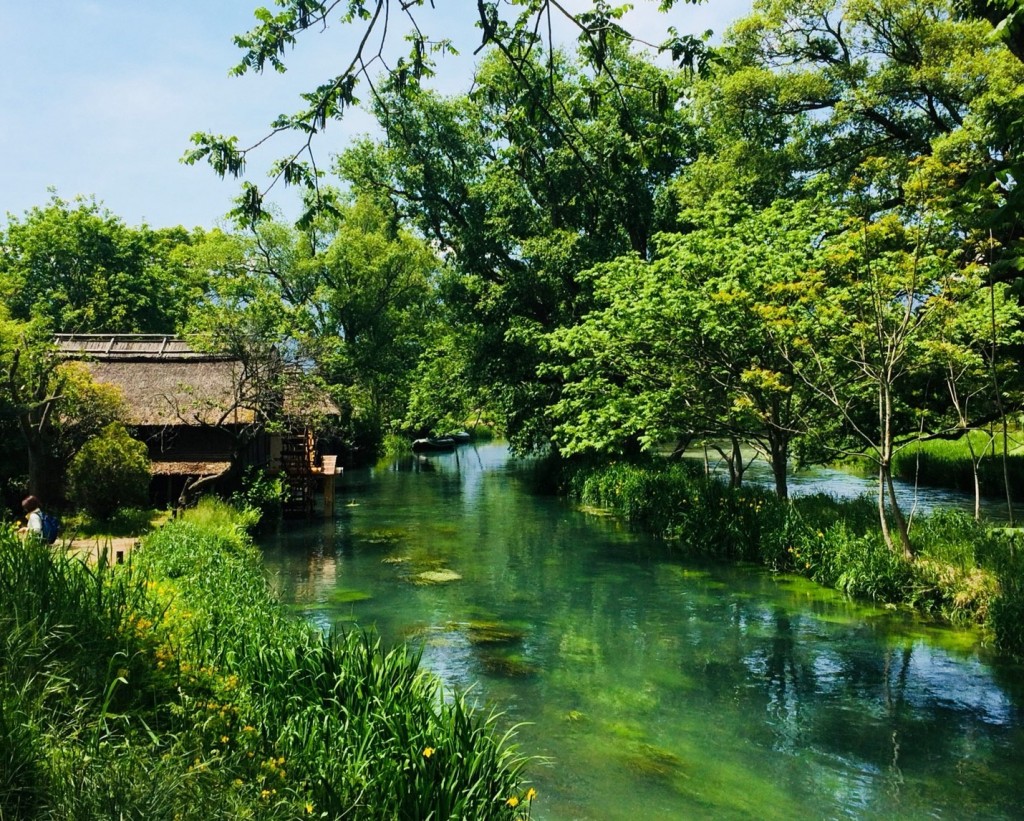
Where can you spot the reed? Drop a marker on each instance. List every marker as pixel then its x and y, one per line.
pixel 176 687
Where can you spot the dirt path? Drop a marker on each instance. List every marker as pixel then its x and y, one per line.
pixel 117 549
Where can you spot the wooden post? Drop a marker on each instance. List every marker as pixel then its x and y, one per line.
pixel 329 469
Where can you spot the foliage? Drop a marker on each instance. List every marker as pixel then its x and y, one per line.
pixel 332 313
pixel 52 407
pixel 81 270
pixel 513 33
pixel 111 471
pixel 262 492
pixel 963 571
pixel 522 187
pixel 124 522
pixel 176 687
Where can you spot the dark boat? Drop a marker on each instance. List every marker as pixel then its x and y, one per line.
pixel 433 444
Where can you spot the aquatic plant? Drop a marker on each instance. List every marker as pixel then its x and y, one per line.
pixel 964 571
pixel 176 687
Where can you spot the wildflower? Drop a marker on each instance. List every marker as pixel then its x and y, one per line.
pixel 513 802
pixel 309 808
pixel 264 794
pixel 428 751
pixel 531 794
pixel 224 739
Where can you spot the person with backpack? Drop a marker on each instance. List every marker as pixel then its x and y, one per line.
pixel 40 525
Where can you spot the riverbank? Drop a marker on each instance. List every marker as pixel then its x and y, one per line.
pixel 963 571
pixel 176 687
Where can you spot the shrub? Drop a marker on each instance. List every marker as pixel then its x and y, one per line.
pixel 110 471
pixel 262 492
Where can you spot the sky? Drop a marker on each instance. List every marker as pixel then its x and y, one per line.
pixel 99 97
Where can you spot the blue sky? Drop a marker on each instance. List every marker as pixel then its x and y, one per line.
pixel 99 97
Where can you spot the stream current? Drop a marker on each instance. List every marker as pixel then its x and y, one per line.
pixel 655 688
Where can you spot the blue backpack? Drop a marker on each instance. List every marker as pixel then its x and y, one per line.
pixel 51 527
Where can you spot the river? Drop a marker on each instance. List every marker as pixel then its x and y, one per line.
pixel 654 688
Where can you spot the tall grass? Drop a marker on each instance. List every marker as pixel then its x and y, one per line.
pixel 963 571
pixel 177 688
pixel 946 463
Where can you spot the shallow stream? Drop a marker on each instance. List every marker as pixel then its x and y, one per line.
pixel 658 689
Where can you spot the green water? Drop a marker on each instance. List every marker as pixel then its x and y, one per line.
pixel 657 689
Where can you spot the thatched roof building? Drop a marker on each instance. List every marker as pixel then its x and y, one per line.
pixel 164 381
pixel 202 414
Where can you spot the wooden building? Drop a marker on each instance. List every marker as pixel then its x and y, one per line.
pixel 203 416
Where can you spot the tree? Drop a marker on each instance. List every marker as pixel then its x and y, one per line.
pixel 863 318
pixel 110 471
pixel 878 88
pixel 54 406
pixel 977 320
pixel 517 32
pixel 372 288
pixel 81 269
pixel 521 187
pixel 341 303
pixel 687 346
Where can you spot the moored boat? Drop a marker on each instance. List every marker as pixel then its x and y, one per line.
pixel 433 444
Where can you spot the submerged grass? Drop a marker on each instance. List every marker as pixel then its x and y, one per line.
pixel 178 688
pixel 963 571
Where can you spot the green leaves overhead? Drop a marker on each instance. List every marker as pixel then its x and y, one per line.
pixel 82 270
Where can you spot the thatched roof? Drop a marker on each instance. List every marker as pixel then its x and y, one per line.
pixel 163 380
pixel 177 393
pixel 199 468
pixel 166 382
pixel 128 346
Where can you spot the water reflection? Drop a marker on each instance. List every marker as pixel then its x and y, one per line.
pixel 846 485
pixel 655 686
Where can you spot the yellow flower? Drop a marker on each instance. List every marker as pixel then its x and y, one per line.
pixel 224 739
pixel 513 802
pixel 531 794
pixel 309 808
pixel 428 751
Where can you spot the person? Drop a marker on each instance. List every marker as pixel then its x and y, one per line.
pixel 34 511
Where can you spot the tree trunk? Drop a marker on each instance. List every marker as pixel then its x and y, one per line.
pixel 897 514
pixel 882 520
pixel 886 485
pixel 736 464
pixel 1006 470
pixel 780 464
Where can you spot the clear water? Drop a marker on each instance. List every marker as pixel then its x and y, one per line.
pixel 654 688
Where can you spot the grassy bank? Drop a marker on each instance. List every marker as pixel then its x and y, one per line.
pixel 963 571
pixel 942 463
pixel 177 688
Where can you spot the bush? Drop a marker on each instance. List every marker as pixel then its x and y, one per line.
pixel 110 471
pixel 262 492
